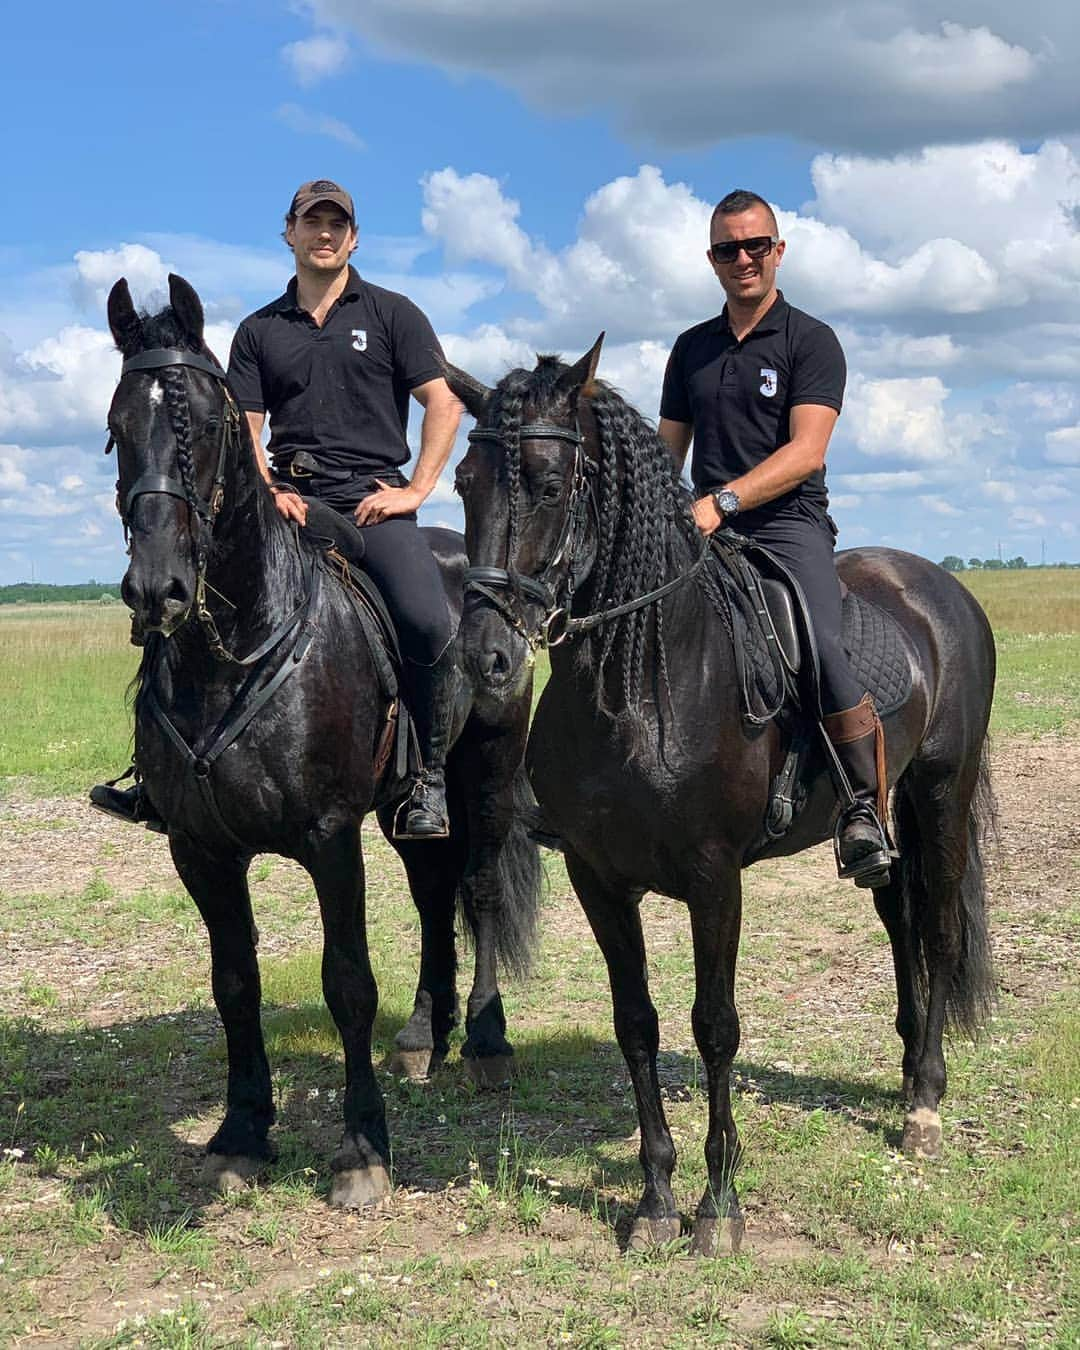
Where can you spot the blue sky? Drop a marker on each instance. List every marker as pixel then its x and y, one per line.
pixel 532 175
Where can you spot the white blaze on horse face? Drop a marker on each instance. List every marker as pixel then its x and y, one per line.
pixel 156 393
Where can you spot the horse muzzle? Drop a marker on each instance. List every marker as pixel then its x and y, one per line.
pixel 158 605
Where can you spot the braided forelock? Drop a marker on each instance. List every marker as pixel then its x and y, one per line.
pixel 180 420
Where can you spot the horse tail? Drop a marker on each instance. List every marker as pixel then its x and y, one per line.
pixel 970 1000
pixel 518 880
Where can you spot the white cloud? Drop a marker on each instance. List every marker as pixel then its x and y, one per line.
pixel 903 418
pixel 902 480
pixel 1001 492
pixel 1063 445
pixel 317 58
pixel 940 506
pixel 97 271
pixel 307 123
pixel 857 76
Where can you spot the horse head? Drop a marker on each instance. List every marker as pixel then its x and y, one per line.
pixel 171 421
pixel 526 485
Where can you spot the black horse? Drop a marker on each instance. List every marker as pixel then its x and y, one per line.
pixel 261 721
pixel 645 765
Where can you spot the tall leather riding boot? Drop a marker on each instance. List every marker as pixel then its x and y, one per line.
pixel 431 692
pixel 862 846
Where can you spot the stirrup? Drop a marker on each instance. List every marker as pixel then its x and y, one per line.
pixel 401 828
pixel 872 869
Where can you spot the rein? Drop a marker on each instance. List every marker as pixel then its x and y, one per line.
pixel 557 624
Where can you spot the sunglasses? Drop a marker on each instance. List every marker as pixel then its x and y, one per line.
pixel 757 247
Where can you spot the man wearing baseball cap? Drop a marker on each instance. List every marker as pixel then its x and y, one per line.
pixel 334 362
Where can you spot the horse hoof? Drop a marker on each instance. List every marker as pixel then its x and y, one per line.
pixel 922 1134
pixel 645 1234
pixel 717 1237
pixel 360 1187
pixel 415 1065
pixel 491 1071
pixel 226 1172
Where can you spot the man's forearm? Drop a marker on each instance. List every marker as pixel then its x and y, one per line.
pixel 437 433
pixel 783 470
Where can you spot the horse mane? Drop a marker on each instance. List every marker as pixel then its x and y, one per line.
pixel 646 533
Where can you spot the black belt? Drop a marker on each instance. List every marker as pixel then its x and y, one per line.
pixel 302 465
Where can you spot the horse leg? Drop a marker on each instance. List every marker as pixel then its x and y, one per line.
pixel 614 915
pixel 499 885
pixel 941 872
pixel 893 903
pixel 715 921
pixel 218 885
pixel 360 1166
pixel 433 867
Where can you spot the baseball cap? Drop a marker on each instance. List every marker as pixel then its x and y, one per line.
pixel 318 190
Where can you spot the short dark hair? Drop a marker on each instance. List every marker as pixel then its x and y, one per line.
pixel 735 203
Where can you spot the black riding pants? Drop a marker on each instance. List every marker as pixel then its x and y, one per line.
pixel 400 562
pixel 802 539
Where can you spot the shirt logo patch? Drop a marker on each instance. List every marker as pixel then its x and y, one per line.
pixel 768 382
pixel 359 339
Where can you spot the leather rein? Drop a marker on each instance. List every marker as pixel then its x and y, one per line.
pixel 557 624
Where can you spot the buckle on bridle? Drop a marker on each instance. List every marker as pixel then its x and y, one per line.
pixel 554 628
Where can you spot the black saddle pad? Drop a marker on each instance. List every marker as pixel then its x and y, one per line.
pixel 875 643
pixel 878 651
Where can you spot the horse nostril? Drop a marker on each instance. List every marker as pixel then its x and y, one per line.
pixel 494 665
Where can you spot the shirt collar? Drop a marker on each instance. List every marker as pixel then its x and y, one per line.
pixel 770 322
pixel 288 302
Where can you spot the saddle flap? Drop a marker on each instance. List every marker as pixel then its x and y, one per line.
pixel 781 610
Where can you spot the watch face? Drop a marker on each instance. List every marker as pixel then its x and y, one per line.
pixel 727 502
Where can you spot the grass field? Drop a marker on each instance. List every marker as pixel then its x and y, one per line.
pixel 505 1222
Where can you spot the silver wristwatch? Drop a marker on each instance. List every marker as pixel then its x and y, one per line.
pixel 727 502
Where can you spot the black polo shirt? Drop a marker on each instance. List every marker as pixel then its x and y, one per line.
pixel 340 392
pixel 738 396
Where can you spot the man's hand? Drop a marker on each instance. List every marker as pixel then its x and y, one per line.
pixel 706 517
pixel 290 505
pixel 387 503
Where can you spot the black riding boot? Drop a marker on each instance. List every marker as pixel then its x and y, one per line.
pixel 431 692
pixel 862 846
pixel 130 804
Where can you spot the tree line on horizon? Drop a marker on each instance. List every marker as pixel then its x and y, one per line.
pixel 41 592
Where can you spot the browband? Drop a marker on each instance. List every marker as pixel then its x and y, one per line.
pixel 170 356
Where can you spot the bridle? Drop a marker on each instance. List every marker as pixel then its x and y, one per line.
pixel 203 511
pixel 557 624
pixel 544 589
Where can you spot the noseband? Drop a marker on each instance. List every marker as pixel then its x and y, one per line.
pixel 202 510
pixel 557 625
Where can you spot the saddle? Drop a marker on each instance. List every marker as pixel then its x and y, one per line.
pixel 776 655
pixel 342 548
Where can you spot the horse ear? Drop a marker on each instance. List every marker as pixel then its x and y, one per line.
pixel 579 378
pixel 124 323
pixel 471 392
pixel 187 307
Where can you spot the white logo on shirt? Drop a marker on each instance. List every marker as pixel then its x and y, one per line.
pixel 359 339
pixel 768 382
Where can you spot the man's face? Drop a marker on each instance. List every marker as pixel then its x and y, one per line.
pixel 746 281
pixel 322 239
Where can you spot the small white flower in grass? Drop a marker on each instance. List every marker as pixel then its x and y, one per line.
pixel 347 1290
pixel 461 1227
pixel 441 1119
pixel 14 1153
pixel 492 1284
pixel 312 1094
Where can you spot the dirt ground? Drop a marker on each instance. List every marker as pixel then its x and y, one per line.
pixel 59 847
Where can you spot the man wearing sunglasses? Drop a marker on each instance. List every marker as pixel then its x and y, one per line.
pixel 757 390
